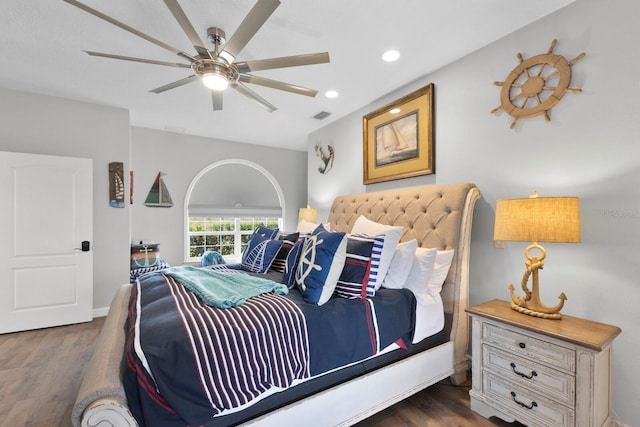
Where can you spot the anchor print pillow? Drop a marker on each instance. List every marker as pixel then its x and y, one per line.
pixel 145 255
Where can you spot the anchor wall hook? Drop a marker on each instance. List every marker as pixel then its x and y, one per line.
pixel 327 160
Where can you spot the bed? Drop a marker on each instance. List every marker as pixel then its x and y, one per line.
pixel 437 216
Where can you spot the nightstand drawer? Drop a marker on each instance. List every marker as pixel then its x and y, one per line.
pixel 527 345
pixel 547 381
pixel 571 358
pixel 528 407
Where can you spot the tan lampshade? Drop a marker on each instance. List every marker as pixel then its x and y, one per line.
pixel 308 214
pixel 538 219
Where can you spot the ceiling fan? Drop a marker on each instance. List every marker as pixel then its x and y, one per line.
pixel 217 68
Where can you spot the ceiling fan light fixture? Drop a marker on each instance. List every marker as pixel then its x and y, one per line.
pixel 217 68
pixel 226 56
pixel 215 80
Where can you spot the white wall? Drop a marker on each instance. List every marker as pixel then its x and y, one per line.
pixel 589 149
pixel 182 157
pixel 41 124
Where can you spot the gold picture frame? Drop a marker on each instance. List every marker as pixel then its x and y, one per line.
pixel 398 138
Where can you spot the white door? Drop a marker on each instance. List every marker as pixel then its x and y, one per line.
pixel 46 279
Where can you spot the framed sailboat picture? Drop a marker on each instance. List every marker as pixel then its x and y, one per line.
pixel 398 138
pixel 158 195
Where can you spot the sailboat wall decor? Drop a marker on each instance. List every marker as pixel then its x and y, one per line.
pixel 398 138
pixel 116 185
pixel 159 196
pixel 391 144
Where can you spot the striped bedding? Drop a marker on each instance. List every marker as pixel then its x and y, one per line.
pixel 188 363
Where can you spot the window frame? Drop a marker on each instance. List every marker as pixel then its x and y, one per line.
pixel 204 171
pixel 238 233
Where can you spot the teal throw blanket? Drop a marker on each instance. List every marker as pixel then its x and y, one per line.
pixel 223 290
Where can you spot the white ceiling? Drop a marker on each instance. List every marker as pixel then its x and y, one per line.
pixel 41 45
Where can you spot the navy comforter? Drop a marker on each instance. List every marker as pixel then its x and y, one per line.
pixel 187 362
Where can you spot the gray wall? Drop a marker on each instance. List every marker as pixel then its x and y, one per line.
pixel 33 123
pixel 181 157
pixel 40 124
pixel 589 149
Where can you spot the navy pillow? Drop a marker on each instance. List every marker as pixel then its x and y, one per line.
pixel 260 254
pixel 321 263
pixel 291 265
pixel 265 231
pixel 355 274
pixel 281 258
pixel 260 231
pixel 292 237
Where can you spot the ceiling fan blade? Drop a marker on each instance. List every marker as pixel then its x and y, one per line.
pixel 130 29
pixel 134 59
pixel 187 27
pixel 283 62
pixel 253 96
pixel 181 82
pixel 216 97
pixel 248 28
pixel 274 84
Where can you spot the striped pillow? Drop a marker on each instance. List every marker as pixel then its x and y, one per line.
pixel 280 260
pixel 392 235
pixel 355 274
pixel 375 279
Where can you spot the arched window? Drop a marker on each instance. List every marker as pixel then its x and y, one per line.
pixel 223 205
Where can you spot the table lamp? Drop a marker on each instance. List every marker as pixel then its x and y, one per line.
pixel 537 219
pixel 308 214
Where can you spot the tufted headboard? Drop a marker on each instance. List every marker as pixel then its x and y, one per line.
pixel 437 216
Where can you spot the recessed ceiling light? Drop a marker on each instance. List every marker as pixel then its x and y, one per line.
pixel 331 94
pixel 390 55
pixel 394 110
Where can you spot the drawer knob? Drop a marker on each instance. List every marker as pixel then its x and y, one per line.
pixel 522 345
pixel 524 405
pixel 522 374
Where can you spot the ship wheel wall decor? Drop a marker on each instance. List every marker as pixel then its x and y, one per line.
pixel 536 85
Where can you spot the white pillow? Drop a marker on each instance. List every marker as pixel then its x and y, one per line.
pixel 429 318
pixel 306 227
pixel 392 236
pixel 439 272
pixel 400 266
pixel 418 279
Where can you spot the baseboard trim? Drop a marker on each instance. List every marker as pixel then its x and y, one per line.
pixel 100 312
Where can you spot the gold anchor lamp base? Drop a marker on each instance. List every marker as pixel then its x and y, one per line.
pixel 530 302
pixel 537 219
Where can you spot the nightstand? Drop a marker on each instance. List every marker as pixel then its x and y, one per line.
pixel 540 372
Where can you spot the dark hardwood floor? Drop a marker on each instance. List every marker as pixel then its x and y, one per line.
pixel 442 404
pixel 41 371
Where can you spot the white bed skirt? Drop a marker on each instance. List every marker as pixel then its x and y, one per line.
pixel 380 389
